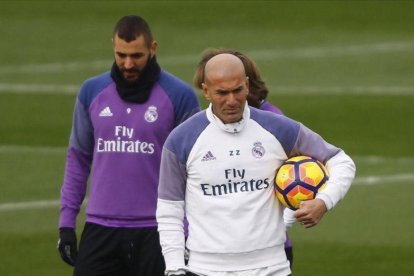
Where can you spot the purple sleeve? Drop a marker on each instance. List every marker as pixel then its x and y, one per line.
pixel 173 177
pixel 77 169
pixel 81 136
pixel 187 107
pixel 310 143
pixel 183 97
pixel 177 147
pixel 267 106
pixel 74 186
pixel 295 138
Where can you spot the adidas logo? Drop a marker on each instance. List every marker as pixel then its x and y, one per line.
pixel 208 157
pixel 106 112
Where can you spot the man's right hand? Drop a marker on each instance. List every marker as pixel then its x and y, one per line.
pixel 67 245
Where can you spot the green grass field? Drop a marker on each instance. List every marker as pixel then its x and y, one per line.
pixel 343 68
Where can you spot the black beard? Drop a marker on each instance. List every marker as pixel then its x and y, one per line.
pixel 135 70
pixel 136 91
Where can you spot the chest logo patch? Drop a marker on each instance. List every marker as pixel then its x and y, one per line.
pixel 208 157
pixel 151 115
pixel 106 112
pixel 258 150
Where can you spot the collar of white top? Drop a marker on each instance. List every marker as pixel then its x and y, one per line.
pixel 232 127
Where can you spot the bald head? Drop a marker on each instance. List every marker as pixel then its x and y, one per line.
pixel 226 87
pixel 223 66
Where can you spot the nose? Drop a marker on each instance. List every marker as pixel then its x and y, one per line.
pixel 129 63
pixel 231 99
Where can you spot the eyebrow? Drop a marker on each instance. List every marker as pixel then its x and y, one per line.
pixel 238 88
pixel 137 54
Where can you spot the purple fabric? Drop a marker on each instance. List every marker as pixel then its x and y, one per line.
pixel 124 183
pixel 175 155
pixel 312 145
pixel 120 143
pixel 267 106
pixel 77 171
pixel 320 150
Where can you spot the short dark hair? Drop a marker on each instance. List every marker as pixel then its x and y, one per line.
pixel 130 27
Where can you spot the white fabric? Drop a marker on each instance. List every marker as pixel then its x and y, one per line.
pixel 275 270
pixel 170 216
pixel 342 171
pixel 235 221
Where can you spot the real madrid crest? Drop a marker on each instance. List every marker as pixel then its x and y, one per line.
pixel 258 150
pixel 151 115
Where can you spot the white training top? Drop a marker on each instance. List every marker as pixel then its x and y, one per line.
pixel 221 177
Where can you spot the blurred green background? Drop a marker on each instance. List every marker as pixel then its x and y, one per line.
pixel 343 68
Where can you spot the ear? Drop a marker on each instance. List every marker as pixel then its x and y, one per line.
pixel 206 94
pixel 153 48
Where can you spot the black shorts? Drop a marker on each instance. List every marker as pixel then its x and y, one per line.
pixel 107 251
pixel 289 255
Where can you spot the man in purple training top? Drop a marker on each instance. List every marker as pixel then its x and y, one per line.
pixel 121 120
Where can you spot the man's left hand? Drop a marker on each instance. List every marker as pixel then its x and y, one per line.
pixel 310 212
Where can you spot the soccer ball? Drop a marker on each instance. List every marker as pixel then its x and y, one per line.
pixel 299 178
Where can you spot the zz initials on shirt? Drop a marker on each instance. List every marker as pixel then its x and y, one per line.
pixel 234 152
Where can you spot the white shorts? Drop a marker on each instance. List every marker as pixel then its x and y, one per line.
pixel 275 270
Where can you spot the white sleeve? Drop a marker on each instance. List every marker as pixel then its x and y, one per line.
pixel 341 170
pixel 289 217
pixel 170 216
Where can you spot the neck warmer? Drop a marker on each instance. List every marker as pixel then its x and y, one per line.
pixel 137 91
pixel 231 127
